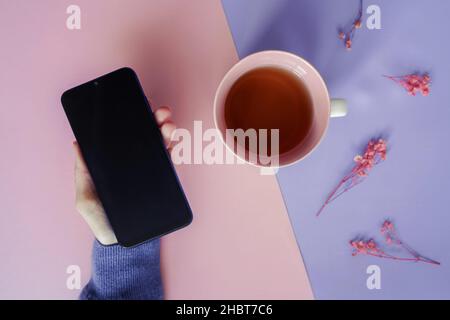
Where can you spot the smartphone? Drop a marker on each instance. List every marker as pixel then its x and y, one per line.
pixel 125 154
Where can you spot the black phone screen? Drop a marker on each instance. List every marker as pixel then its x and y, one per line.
pixel 126 157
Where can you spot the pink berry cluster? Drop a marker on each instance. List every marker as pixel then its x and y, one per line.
pixel 371 248
pixel 375 151
pixel 413 83
pixel 347 37
pixel 361 246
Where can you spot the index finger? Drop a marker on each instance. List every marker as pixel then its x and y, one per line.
pixel 162 115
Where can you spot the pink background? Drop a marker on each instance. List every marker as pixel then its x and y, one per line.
pixel 240 244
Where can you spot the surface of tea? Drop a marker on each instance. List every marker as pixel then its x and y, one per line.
pixel 271 98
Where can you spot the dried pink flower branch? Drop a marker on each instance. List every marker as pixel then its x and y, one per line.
pixel 413 83
pixel 347 37
pixel 371 248
pixel 375 153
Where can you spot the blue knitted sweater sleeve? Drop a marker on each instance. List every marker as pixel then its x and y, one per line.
pixel 124 273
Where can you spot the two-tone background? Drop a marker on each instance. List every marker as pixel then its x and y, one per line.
pixel 253 236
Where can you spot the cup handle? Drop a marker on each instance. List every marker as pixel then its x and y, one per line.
pixel 338 108
pixel 268 171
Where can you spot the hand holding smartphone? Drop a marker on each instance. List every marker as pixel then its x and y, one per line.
pixel 126 157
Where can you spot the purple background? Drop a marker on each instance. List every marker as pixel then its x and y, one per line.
pixel 413 185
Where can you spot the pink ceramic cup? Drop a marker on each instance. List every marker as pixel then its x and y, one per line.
pixel 323 106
